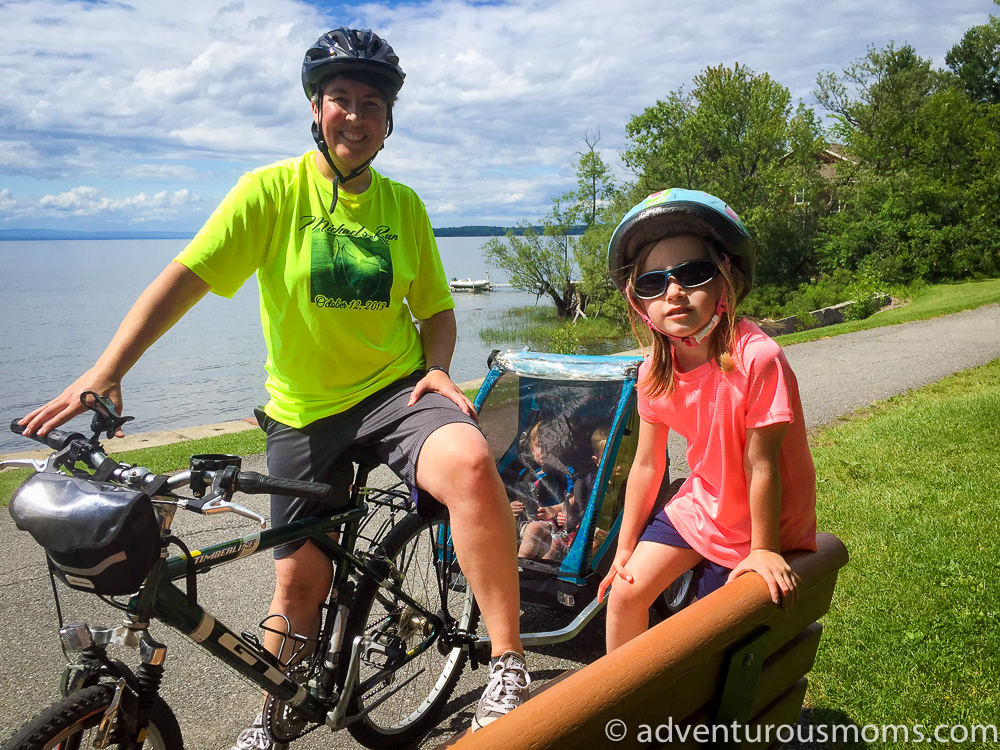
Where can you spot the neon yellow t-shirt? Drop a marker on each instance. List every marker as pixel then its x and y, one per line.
pixel 337 294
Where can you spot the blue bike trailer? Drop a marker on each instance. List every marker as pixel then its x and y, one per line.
pixel 563 430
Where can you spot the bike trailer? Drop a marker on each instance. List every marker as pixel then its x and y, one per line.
pixel 563 430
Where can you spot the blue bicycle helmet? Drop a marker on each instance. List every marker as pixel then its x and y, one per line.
pixel 674 212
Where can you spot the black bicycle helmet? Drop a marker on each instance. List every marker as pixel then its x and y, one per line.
pixel 341 51
pixel 674 212
pixel 345 49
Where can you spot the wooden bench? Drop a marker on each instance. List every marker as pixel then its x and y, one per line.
pixel 733 656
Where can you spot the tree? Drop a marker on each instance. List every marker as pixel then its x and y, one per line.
pixel 595 183
pixel 548 263
pixel 976 61
pixel 736 135
pixel 539 263
pixel 918 201
pixel 875 100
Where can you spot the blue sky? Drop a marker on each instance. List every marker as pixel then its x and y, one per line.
pixel 141 116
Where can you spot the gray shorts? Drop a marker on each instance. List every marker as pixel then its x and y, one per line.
pixel 380 428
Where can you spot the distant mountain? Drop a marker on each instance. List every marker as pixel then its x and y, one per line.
pixel 70 234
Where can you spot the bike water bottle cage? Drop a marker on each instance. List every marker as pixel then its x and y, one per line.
pixel 690 275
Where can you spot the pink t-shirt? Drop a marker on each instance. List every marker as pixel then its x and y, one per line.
pixel 713 410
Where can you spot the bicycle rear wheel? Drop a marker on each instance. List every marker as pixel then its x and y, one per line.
pixel 71 724
pixel 423 555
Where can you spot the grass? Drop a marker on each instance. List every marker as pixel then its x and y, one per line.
pixel 543 330
pixel 161 459
pixel 928 302
pixel 910 487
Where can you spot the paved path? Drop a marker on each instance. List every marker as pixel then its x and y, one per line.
pixel 835 376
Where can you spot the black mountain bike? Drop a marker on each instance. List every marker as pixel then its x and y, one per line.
pixel 396 631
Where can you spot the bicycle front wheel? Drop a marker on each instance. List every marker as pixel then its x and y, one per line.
pixel 423 555
pixel 71 724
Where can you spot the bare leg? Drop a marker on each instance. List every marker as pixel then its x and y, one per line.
pixel 653 567
pixel 455 465
pixel 535 541
pixel 303 582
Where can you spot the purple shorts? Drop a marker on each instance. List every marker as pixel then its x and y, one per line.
pixel 708 576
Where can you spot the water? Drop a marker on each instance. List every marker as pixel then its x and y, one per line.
pixel 61 302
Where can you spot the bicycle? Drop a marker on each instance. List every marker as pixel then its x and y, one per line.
pixel 396 633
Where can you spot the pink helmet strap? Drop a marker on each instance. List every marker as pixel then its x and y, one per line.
pixel 696 338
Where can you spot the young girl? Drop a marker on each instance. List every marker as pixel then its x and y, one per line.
pixel 684 261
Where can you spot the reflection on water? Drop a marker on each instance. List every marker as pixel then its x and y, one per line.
pixel 63 300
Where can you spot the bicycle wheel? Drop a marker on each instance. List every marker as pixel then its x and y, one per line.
pixel 71 724
pixel 677 596
pixel 422 553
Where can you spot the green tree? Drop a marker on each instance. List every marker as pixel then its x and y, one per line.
pixel 540 263
pixel 737 136
pixel 976 61
pixel 550 263
pixel 874 103
pixel 917 201
pixel 595 182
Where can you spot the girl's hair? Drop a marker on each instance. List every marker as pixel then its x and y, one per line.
pixel 721 341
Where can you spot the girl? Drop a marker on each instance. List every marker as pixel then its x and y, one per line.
pixel 684 261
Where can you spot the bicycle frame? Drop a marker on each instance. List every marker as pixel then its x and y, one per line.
pixel 161 600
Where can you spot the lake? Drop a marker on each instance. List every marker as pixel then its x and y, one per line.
pixel 62 301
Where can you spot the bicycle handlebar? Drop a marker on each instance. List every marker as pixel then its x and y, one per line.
pixel 55 439
pixel 250 482
pixel 253 483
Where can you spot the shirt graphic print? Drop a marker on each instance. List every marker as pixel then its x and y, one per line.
pixel 350 271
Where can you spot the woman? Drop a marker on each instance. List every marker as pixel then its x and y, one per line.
pixel 345 259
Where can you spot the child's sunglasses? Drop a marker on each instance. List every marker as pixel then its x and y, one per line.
pixel 689 275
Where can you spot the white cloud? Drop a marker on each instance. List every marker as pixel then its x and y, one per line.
pixel 7 202
pixel 496 99
pixel 90 201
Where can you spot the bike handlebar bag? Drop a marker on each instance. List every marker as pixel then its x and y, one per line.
pixel 100 537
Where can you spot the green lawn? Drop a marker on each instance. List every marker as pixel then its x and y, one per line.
pixel 929 302
pixel 911 488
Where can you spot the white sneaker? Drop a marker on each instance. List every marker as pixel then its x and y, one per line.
pixel 506 689
pixel 255 737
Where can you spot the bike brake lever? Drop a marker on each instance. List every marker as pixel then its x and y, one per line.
pixel 212 504
pixel 49 464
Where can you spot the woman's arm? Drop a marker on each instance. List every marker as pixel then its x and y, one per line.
pixel 764 489
pixel 438 335
pixel 644 480
pixel 163 303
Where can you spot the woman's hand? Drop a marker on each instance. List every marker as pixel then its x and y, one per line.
pixel 618 570
pixel 437 381
pixel 781 580
pixel 517 507
pixel 67 404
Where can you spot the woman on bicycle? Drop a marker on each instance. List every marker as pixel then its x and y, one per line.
pixel 345 259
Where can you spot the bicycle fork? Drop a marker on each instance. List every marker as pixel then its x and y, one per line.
pixel 127 716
